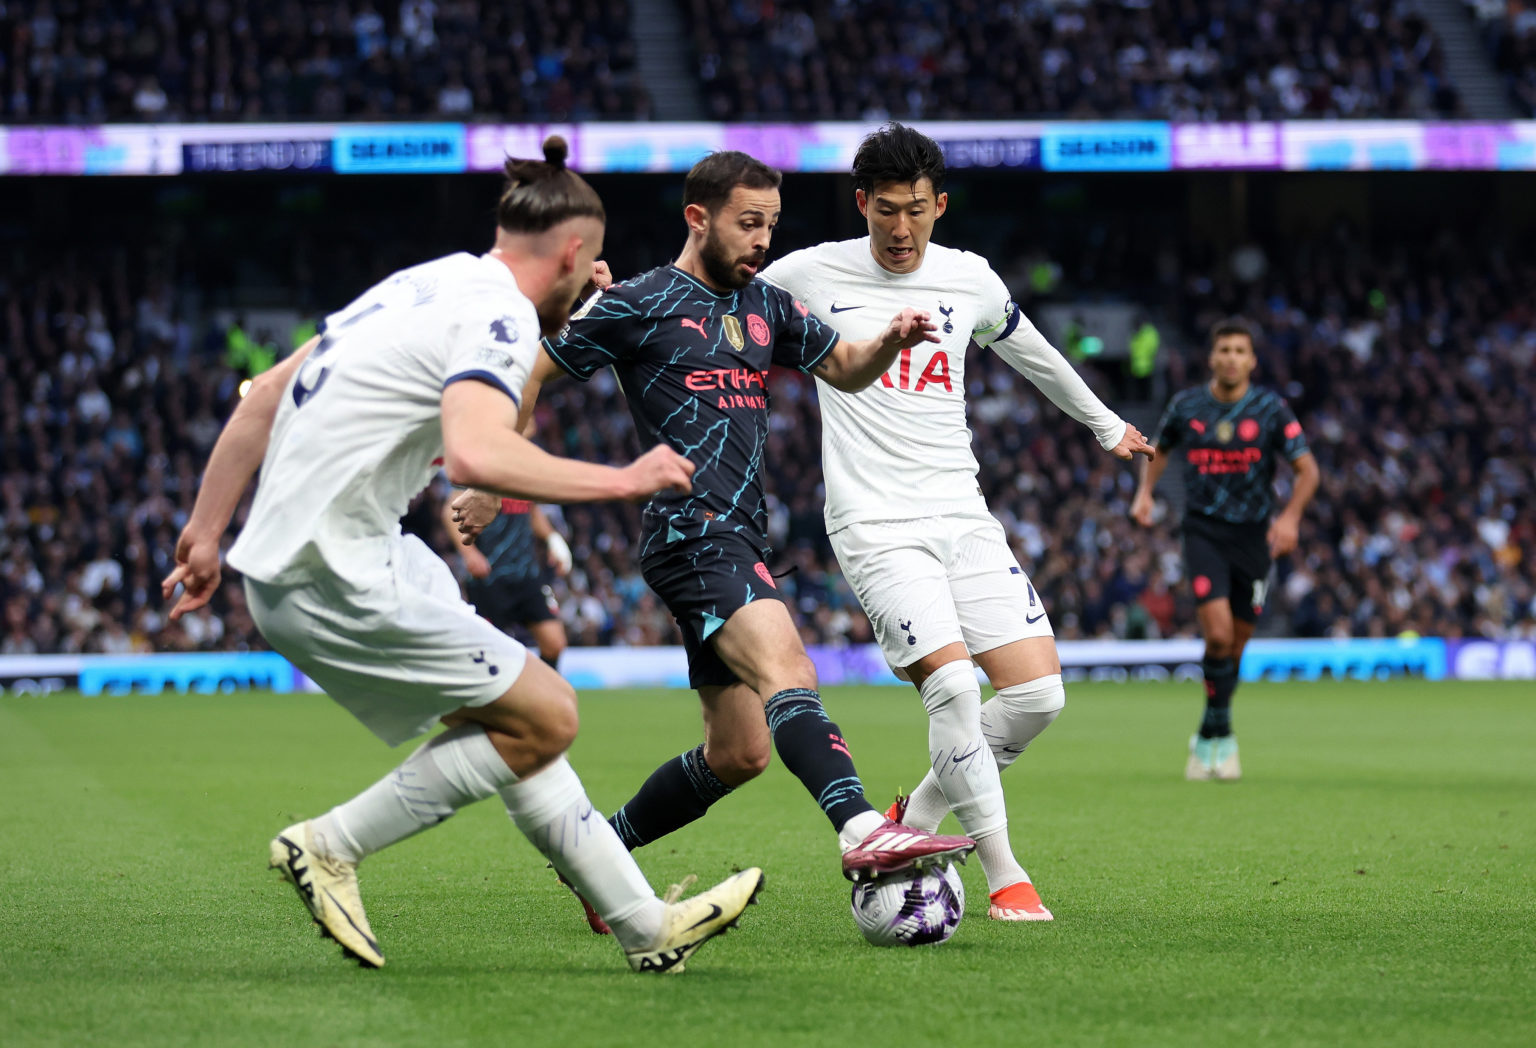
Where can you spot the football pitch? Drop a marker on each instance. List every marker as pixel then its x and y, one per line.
pixel 1371 881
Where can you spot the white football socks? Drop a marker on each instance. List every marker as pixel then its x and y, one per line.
pixel 852 833
pixel 962 762
pixel 456 768
pixel 552 810
pixel 1010 720
pixel 1015 716
pixel 965 770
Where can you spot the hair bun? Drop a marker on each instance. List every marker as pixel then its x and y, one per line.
pixel 555 151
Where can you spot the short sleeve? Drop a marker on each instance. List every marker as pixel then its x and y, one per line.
pixel 494 345
pixel 996 315
pixel 600 336
pixel 792 273
pixel 1170 428
pixel 801 341
pixel 1288 435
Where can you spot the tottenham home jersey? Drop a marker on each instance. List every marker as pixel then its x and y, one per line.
pixel 1229 450
pixel 358 431
pixel 693 364
pixel 901 448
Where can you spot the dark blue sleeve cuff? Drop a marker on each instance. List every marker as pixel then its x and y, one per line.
pixel 490 378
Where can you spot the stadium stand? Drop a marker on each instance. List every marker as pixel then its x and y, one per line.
pixel 84 61
pixel 1508 28
pixel 1406 376
pixel 1243 59
pixel 88 61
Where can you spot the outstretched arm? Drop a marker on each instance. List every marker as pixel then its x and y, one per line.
pixel 483 450
pixel 236 456
pixel 851 366
pixel 1031 355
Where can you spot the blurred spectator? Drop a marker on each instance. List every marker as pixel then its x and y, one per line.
pixel 121 60
pixel 1236 60
pixel 1407 363
pixel 1509 29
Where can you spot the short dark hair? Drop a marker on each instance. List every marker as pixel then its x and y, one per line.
pixel 896 153
pixel 710 181
pixel 540 194
pixel 1235 326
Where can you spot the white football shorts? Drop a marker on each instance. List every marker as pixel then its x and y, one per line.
pixel 399 652
pixel 933 581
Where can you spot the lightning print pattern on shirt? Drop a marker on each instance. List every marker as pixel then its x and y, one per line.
pixel 1228 451
pixel 693 364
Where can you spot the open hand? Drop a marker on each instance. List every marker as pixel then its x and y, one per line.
pixel 907 329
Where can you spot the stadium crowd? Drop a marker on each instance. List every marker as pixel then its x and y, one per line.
pixel 1407 377
pixel 1508 28
pixel 1244 59
pixel 169 60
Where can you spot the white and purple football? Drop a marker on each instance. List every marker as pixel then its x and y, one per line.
pixel 912 909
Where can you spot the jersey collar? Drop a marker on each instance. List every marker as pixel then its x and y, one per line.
pixel 875 269
pixel 696 282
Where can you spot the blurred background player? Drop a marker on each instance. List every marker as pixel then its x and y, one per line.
pixel 930 564
pixel 418 372
pixel 508 573
pixel 1231 433
pixel 691 344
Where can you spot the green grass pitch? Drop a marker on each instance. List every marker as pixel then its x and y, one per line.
pixel 1371 881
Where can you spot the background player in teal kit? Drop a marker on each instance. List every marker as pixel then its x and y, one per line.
pixel 691 345
pixel 509 569
pixel 1229 434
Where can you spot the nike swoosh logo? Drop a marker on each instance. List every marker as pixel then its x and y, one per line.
pixel 843 309
pixel 1031 620
pixel 966 756
pixel 342 910
pixel 715 912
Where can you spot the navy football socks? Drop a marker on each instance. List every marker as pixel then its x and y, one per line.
pixel 676 794
pixel 812 748
pixel 1220 683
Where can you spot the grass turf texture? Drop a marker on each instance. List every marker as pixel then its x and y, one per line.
pixel 1369 882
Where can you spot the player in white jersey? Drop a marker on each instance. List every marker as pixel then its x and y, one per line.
pixel 424 371
pixel 926 558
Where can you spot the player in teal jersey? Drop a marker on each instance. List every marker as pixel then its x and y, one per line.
pixel 1229 435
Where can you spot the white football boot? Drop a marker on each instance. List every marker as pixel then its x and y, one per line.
pixel 328 887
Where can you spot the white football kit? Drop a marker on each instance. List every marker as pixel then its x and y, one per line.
pixel 372 615
pixel 926 558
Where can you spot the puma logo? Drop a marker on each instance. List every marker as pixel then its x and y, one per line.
pixel 697 325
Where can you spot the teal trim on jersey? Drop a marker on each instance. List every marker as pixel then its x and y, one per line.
pixel 711 623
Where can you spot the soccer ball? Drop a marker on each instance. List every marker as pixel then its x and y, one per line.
pixel 911 909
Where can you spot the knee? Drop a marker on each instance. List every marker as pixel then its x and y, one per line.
pixel 790 670
pixel 555 729
pixel 552 647
pixel 739 761
pixel 801 672
pixel 1045 695
pixel 1218 643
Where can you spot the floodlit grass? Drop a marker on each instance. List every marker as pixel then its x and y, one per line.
pixel 1371 881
